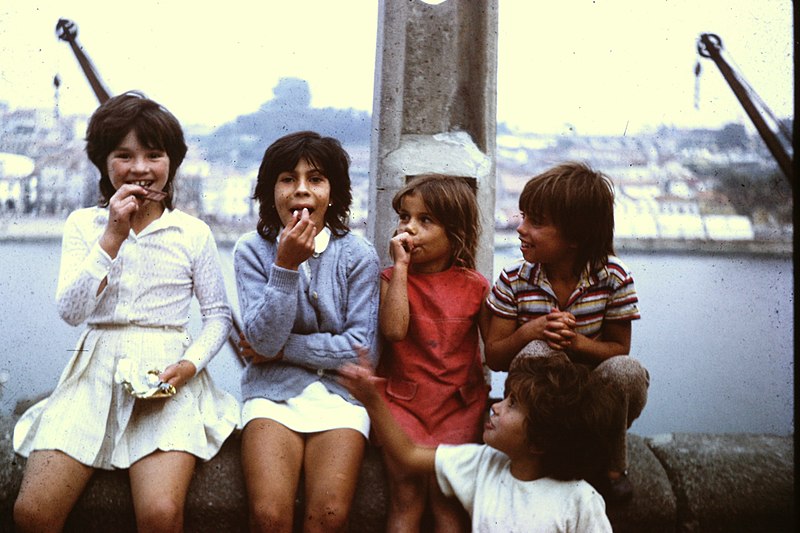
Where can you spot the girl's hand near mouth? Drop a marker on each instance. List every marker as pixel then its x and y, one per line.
pixel 296 241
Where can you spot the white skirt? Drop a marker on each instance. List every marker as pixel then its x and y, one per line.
pixel 313 410
pixel 95 421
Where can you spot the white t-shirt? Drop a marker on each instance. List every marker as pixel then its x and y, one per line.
pixel 480 477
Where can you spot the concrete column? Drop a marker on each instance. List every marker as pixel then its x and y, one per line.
pixel 434 108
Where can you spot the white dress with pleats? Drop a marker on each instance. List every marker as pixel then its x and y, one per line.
pixel 140 315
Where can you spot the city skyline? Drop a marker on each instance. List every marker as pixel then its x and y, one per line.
pixel 580 66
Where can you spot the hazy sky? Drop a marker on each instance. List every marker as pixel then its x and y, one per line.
pixel 601 66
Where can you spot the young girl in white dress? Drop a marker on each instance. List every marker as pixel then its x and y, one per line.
pixel 129 269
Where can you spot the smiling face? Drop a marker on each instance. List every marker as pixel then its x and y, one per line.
pixel 131 162
pixel 542 242
pixel 304 187
pixel 432 251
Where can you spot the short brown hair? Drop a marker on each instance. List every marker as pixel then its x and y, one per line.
pixel 155 127
pixel 566 420
pixel 580 203
pixel 452 201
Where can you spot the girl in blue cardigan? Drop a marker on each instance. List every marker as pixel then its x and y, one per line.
pixel 308 290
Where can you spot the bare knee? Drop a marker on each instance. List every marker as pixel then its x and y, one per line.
pixel 162 514
pixel 330 514
pixel 269 516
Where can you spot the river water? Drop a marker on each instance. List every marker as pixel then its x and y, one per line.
pixel 716 335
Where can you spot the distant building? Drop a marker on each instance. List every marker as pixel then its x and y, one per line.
pixel 16 173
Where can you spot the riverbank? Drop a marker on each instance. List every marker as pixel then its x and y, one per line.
pixel 29 229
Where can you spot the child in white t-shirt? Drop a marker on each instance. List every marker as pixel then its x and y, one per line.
pixel 541 440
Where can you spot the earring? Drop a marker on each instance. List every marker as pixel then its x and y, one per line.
pixel 330 204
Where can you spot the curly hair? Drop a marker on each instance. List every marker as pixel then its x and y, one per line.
pixel 566 420
pixel 327 156
pixel 452 201
pixel 580 203
pixel 154 126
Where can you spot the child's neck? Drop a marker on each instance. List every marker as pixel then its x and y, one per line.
pixel 563 280
pixel 149 213
pixel 432 267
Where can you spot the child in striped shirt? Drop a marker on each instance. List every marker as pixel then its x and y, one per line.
pixel 571 294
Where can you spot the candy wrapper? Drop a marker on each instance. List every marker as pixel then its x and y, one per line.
pixel 143 385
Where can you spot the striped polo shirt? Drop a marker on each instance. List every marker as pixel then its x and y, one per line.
pixel 523 292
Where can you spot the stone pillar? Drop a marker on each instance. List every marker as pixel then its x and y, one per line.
pixel 434 108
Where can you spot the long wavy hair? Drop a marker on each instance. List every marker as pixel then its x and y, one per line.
pixel 452 201
pixel 154 126
pixel 327 156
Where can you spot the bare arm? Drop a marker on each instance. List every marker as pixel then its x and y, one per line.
pixel 394 315
pixel 615 339
pixel 484 319
pixel 360 381
pixel 504 339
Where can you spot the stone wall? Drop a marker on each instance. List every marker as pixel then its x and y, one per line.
pixel 683 483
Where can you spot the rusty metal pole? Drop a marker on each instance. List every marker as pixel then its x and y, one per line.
pixel 710 46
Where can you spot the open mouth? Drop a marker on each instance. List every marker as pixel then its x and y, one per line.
pixel 299 210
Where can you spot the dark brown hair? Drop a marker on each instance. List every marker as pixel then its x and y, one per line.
pixel 452 201
pixel 327 156
pixel 154 126
pixel 567 421
pixel 580 203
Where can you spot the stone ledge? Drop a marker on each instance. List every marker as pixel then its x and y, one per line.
pixel 683 482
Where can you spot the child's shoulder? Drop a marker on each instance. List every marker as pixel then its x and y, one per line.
pixel 252 244
pixel 472 275
pixel 89 215
pixel 355 240
pixel 520 271
pixel 191 222
pixel 616 268
pixel 356 249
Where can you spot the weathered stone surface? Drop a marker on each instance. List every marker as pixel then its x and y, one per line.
pixel 731 482
pixel 653 507
pixel 434 109
pixel 681 482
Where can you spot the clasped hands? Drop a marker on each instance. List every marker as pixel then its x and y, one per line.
pixel 557 328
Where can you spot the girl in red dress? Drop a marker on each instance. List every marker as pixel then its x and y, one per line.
pixel 431 312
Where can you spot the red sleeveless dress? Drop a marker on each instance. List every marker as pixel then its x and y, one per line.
pixel 435 383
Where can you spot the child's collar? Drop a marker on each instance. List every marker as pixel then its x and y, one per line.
pixel 321 241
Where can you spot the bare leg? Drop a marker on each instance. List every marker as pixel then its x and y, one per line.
pixel 159 483
pixel 448 514
pixel 332 464
pixel 272 456
pixel 52 483
pixel 406 499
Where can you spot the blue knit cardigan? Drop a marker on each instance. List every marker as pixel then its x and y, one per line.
pixel 317 315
